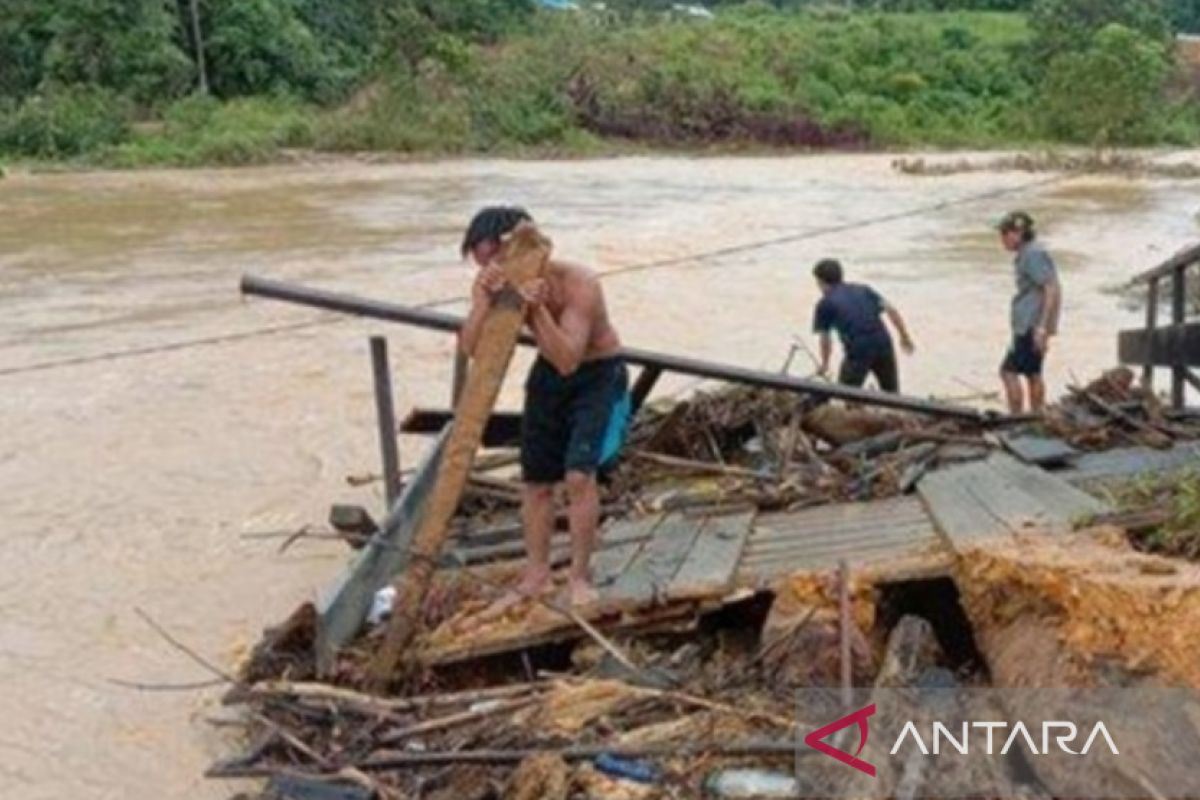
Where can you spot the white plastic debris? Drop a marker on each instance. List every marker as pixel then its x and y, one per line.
pixel 381 605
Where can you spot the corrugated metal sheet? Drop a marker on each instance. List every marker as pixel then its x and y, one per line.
pixel 873 535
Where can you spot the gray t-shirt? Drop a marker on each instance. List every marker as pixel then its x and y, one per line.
pixel 1034 270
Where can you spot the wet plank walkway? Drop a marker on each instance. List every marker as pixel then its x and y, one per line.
pixel 1002 497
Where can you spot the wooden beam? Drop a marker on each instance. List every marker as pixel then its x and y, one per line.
pixel 523 258
pixel 503 427
pixel 342 607
pixel 1177 345
pixel 1184 258
pixel 437 320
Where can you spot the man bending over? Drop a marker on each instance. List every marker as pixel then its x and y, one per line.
pixel 855 311
pixel 576 398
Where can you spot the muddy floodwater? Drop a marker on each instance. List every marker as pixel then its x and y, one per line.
pixel 131 483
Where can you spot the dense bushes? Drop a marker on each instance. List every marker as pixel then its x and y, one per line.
pixel 1107 92
pixel 457 76
pixel 62 124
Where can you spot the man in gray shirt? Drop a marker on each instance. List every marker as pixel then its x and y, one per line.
pixel 1035 312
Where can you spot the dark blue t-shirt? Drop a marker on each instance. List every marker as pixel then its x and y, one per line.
pixel 854 311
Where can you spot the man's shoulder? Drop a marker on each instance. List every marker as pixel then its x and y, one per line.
pixel 581 284
pixel 1033 251
pixel 862 291
pixel 577 273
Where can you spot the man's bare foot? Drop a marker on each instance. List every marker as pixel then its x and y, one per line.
pixel 534 583
pixel 581 593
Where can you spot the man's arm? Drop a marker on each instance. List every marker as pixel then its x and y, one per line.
pixel 897 321
pixel 489 281
pixel 1040 268
pixel 826 347
pixel 1047 325
pixel 563 342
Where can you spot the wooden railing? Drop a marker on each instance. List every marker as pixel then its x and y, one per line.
pixel 1176 346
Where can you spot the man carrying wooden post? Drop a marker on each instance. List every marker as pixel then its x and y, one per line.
pixel 1035 312
pixel 576 399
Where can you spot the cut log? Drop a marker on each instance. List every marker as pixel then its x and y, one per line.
pixel 523 258
pixel 912 648
pixel 840 425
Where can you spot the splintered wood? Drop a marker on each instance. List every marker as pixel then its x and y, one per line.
pixel 1077 611
pixel 523 257
pixel 801 635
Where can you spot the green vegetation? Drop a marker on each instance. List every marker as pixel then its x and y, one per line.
pixel 119 82
pixel 1175 501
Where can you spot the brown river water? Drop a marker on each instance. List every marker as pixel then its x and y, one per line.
pixel 130 483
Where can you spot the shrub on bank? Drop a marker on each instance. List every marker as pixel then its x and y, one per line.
pixel 201 130
pixel 63 123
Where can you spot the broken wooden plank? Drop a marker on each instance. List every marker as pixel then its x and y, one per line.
pixel 1069 503
pixel 610 563
pixel 1130 462
pixel 343 606
pixel 1038 450
pixel 711 566
pixel 523 257
pixel 503 428
pixel 539 626
pixel 1001 497
pixel 616 541
pixel 646 578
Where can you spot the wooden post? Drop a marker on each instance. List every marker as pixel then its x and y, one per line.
pixel 844 624
pixel 1151 324
pixel 386 413
pixel 1178 312
pixel 523 258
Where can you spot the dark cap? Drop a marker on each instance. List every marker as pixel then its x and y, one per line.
pixel 1016 221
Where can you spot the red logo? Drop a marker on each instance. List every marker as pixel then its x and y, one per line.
pixel 859 717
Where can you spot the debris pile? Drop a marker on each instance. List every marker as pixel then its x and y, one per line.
pixel 667 709
pixel 657 732
pixel 1102 162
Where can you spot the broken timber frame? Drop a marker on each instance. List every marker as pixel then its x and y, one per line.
pixel 653 363
pixel 1176 346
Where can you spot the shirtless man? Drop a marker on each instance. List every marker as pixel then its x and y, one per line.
pixel 576 398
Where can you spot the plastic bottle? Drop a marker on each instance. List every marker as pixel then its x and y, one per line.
pixel 627 768
pixel 752 783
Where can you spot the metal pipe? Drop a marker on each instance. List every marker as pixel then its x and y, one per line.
pixel 439 320
pixel 386 414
